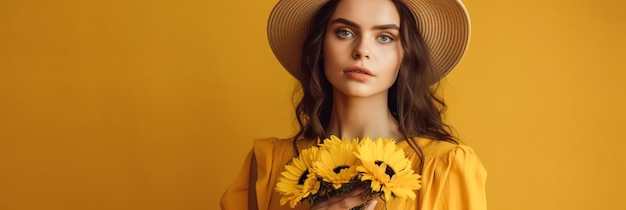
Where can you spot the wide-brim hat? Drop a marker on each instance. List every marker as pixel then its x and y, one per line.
pixel 444 25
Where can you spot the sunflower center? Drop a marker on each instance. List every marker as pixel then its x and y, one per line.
pixel 389 171
pixel 303 177
pixel 339 168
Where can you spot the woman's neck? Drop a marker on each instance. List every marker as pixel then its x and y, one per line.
pixel 362 117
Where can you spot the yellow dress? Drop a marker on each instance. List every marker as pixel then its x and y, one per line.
pixel 452 177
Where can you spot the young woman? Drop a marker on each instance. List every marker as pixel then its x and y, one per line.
pixel 368 68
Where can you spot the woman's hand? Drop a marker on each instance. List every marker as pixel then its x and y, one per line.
pixel 346 201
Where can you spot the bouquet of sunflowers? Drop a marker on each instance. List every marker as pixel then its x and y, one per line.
pixel 339 166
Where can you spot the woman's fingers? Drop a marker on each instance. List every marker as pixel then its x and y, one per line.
pixel 342 202
pixel 355 193
pixel 372 205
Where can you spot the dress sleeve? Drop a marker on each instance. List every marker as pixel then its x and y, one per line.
pixel 236 196
pixel 454 180
pixel 254 186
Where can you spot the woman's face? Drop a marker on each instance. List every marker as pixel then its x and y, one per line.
pixel 362 50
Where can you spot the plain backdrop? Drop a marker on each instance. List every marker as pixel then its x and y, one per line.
pixel 111 104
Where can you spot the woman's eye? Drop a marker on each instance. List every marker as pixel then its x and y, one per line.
pixel 385 38
pixel 343 33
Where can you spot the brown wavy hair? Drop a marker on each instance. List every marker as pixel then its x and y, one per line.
pixel 412 98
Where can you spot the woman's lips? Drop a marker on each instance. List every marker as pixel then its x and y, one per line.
pixel 358 69
pixel 358 73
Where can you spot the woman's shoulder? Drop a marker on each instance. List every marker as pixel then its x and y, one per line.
pixel 452 176
pixel 450 158
pixel 274 148
pixel 282 143
pixel 444 149
pixel 270 142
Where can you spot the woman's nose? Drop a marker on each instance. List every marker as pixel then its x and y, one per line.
pixel 361 51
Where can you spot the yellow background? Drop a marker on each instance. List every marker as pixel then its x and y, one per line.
pixel 153 104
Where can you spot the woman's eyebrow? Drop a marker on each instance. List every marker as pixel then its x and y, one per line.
pixel 344 21
pixel 353 24
pixel 387 26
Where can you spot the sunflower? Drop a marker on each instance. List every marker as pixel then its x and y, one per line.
pixel 298 180
pixel 387 169
pixel 337 163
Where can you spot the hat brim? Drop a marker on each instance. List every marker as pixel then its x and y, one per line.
pixel 444 25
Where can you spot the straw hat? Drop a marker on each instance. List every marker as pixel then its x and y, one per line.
pixel 444 25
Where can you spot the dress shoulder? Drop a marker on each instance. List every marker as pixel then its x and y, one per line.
pixel 259 174
pixel 273 152
pixel 452 177
pixel 265 147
